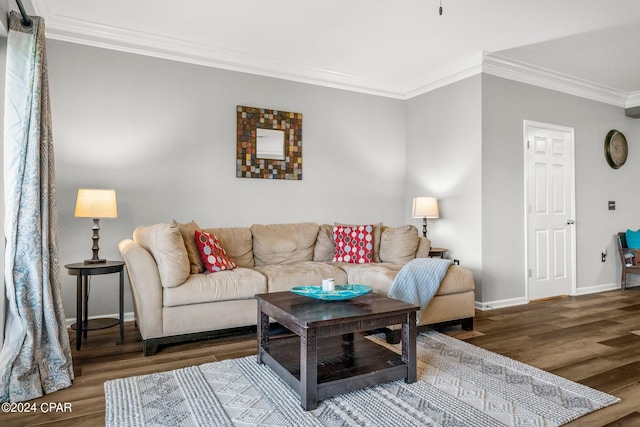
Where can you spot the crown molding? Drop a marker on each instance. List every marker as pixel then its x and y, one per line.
pixel 208 56
pixel 452 73
pixel 633 100
pixel 83 32
pixel 73 30
pixel 500 66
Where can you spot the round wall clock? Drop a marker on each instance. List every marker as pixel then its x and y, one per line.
pixel 615 149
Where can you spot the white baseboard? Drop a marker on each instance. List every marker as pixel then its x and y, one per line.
pixel 597 288
pixel 128 317
pixel 579 291
pixel 500 303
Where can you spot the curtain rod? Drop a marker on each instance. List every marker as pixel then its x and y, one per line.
pixel 26 22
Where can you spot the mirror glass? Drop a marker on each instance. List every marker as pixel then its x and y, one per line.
pixel 269 144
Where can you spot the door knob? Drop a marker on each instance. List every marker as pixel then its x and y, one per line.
pixel 570 222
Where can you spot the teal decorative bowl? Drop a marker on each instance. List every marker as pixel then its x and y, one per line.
pixel 342 292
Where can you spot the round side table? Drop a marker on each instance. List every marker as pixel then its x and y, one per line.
pixel 82 271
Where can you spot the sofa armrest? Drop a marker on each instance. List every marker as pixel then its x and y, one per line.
pixel 424 245
pixel 146 287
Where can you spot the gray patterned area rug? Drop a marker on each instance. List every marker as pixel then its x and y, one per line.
pixel 459 385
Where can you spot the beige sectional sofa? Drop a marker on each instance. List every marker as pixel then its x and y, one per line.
pixel 175 301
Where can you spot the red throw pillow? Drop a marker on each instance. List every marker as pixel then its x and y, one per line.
pixel 354 244
pixel 212 254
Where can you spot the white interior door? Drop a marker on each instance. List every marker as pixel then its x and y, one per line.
pixel 550 210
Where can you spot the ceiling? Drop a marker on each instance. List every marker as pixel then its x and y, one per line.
pixel 393 48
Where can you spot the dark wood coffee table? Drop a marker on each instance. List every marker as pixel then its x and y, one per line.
pixel 326 356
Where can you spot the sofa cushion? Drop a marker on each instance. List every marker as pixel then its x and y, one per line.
pixel 282 277
pixel 165 244
pixel 283 243
pixel 187 231
pixel 424 247
pixel 240 283
pixel 324 249
pixel 377 234
pixel 398 245
pixel 377 275
pixel 353 244
pixel 456 280
pixel 380 277
pixel 237 242
pixel 212 253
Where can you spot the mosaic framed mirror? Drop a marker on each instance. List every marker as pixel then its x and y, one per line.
pixel 269 144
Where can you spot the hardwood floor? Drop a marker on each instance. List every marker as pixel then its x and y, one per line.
pixel 586 339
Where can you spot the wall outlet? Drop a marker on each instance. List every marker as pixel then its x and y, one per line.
pixel 604 255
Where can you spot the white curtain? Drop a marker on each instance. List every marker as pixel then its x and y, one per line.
pixel 36 357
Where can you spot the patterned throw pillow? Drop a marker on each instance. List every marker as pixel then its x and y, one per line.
pixel 354 244
pixel 213 255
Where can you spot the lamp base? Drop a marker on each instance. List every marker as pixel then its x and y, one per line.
pixel 95 259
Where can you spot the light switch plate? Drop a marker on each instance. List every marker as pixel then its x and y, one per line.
pixel 612 205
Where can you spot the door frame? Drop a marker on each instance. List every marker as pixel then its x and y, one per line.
pixel 525 128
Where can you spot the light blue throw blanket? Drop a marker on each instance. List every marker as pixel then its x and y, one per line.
pixel 418 281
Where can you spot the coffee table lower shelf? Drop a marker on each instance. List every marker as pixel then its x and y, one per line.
pixel 344 365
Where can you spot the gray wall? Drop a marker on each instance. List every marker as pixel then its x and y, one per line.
pixel 505 104
pixel 163 134
pixel 444 143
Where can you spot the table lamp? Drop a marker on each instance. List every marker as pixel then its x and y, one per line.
pixel 96 203
pixel 425 207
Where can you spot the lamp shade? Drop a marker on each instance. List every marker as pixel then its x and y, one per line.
pixel 96 203
pixel 425 207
